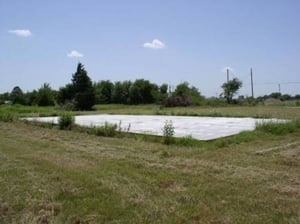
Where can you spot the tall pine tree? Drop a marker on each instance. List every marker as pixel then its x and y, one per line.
pixel 84 95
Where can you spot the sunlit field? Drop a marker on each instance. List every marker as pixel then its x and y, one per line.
pixel 49 175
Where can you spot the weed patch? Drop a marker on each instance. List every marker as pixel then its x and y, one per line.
pixel 168 132
pixel 66 121
pixel 107 130
pixel 8 117
pixel 278 128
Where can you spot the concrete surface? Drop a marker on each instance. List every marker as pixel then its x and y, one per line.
pixel 202 128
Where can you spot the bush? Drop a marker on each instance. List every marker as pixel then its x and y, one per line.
pixel 107 130
pixel 178 101
pixel 168 132
pixel 66 121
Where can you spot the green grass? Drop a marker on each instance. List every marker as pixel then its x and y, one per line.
pixel 29 110
pixel 279 128
pixel 284 112
pixel 53 176
pixel 226 111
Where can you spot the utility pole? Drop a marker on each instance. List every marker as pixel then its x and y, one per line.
pixel 279 88
pixel 227 71
pixel 252 92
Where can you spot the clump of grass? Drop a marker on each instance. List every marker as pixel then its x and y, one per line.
pixel 66 121
pixel 278 128
pixel 168 132
pixel 107 130
pixel 8 117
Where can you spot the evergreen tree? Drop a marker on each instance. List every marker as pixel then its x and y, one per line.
pixel 80 92
pixel 17 96
pixel 84 97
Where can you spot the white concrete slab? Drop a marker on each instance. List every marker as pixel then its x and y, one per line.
pixel 202 128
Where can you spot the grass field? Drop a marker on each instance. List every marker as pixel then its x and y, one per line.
pixel 285 112
pixel 53 176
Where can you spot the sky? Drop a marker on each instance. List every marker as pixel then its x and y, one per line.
pixel 164 41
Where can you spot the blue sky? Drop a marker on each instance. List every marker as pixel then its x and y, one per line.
pixel 164 41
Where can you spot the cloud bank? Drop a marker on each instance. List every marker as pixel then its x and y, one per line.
pixel 155 44
pixel 21 32
pixel 74 54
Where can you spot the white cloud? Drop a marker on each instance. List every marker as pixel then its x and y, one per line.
pixel 75 54
pixel 21 33
pixel 224 70
pixel 155 44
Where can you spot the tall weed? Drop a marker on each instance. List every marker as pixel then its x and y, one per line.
pixel 66 121
pixel 278 128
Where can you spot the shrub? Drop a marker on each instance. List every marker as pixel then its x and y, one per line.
pixel 66 121
pixel 177 101
pixel 107 130
pixel 168 132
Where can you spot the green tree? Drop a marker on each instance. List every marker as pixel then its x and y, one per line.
pixel 17 96
pixel 163 89
pixel 45 95
pixel 121 92
pixel 275 95
pixel 160 93
pixel 142 91
pixel 65 94
pixel 104 91
pixel 80 92
pixel 4 97
pixel 230 88
pixel 84 97
pixel 184 95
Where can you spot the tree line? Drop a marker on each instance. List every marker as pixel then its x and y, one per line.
pixel 81 93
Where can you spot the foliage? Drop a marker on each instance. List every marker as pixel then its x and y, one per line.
pixel 107 130
pixel 8 117
pixel 65 94
pixel 162 94
pixel 279 128
pixel 175 101
pixel 230 88
pixel 17 96
pixel 184 95
pixel 141 92
pixel 120 92
pixel 80 92
pixel 103 92
pixel 168 132
pixel 66 121
pixel 84 98
pixel 45 96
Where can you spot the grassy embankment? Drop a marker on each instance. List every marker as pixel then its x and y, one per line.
pixel 53 176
